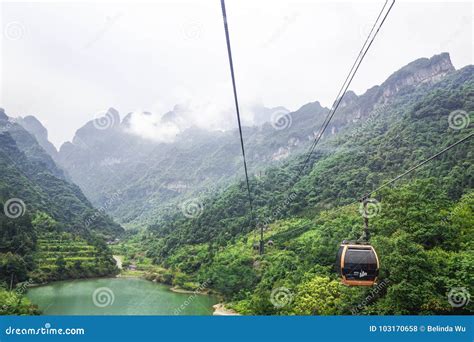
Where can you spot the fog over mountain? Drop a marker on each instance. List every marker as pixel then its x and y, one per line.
pixel 164 127
pixel 150 56
pixel 122 163
pixel 157 160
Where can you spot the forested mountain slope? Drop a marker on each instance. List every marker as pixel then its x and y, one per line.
pixel 36 129
pixel 393 137
pixel 48 229
pixel 154 177
pixel 30 174
pixel 190 195
pixel 151 175
pixel 422 226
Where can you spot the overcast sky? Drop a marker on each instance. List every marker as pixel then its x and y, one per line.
pixel 63 62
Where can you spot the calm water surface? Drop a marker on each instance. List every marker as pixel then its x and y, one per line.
pixel 117 296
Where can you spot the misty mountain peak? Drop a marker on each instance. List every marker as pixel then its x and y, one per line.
pixel 106 119
pixel 169 116
pixel 95 129
pixel 36 128
pixel 422 70
pixel 114 116
pixel 349 98
pixel 33 125
pixel 311 106
pixel 3 116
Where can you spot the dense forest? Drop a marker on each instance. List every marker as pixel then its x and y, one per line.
pixel 49 230
pixel 189 219
pixel 153 176
pixel 422 230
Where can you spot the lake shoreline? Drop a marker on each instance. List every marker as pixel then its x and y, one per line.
pixel 34 285
pixel 118 262
pixel 116 296
pixel 219 309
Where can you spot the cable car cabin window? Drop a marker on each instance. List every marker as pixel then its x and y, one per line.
pixel 360 264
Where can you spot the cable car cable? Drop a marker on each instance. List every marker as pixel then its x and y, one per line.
pixel 393 180
pixel 357 262
pixel 338 96
pixel 355 67
pixel 367 195
pixel 231 65
pixel 346 84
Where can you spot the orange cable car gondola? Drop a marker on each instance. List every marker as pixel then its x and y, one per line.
pixel 357 262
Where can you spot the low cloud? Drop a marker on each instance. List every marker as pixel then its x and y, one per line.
pixel 150 126
pixel 161 126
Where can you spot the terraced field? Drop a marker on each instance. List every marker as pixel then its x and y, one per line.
pixel 52 248
pixel 64 255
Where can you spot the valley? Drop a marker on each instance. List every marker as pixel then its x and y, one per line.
pixel 175 213
pixel 126 296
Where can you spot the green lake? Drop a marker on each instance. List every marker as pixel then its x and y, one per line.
pixel 117 296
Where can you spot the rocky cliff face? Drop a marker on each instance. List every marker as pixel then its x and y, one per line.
pixel 418 72
pixel 34 127
pixel 28 144
pixel 28 172
pixel 105 157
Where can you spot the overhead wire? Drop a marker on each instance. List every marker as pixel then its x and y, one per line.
pixel 368 194
pixel 383 13
pixel 237 109
pixel 410 170
pixel 355 67
pixel 347 82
